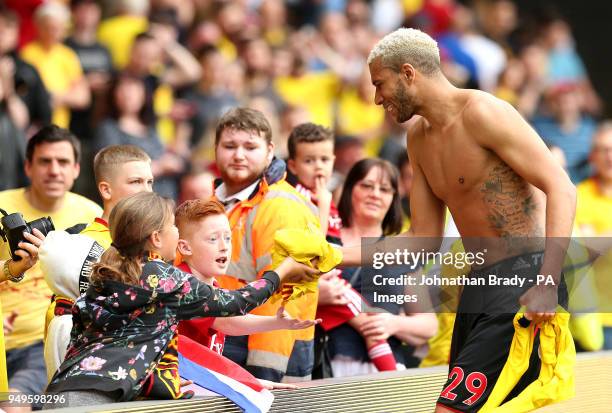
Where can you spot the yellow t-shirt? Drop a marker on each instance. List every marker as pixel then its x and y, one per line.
pixel 412 6
pixel 555 382
pixel 356 117
pixel 99 232
pixel 30 298
pixel 315 91
pixel 227 49
pixel 507 94
pixel 117 34
pixel 163 100
pixel 59 68
pixel 406 222
pixel 593 209
pixel 276 37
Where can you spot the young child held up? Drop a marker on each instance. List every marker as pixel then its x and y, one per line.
pixel 311 161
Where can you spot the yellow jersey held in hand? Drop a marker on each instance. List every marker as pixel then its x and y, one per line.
pixel 303 246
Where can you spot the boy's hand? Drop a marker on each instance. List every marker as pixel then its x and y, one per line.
pixel 294 272
pixel 286 322
pixel 322 195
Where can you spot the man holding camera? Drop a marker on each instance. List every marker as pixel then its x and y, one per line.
pixel 52 165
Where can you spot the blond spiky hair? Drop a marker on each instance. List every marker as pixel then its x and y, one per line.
pixel 408 46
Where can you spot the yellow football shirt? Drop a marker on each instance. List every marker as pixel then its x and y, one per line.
pixel 59 67
pixel 356 117
pixel 98 230
pixel 315 91
pixel 593 210
pixel 117 34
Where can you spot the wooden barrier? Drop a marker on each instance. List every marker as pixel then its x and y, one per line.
pixel 409 391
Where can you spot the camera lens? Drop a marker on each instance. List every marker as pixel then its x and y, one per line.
pixel 44 225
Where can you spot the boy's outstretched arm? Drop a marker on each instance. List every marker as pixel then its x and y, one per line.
pixel 251 324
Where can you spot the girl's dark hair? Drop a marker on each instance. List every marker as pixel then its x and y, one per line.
pixel 393 220
pixel 131 223
pixel 146 113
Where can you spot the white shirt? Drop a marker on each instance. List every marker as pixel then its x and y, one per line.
pixel 230 201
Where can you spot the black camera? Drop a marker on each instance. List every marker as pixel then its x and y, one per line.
pixel 13 227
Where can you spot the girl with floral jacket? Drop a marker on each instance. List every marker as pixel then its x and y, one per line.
pixel 124 342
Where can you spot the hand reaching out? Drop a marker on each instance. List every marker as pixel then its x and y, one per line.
pixel 292 271
pixel 286 322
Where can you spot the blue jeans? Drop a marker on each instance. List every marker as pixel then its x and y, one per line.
pixel 607 338
pixel 26 369
pixel 300 362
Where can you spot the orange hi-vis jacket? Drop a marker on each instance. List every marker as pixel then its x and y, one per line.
pixel 274 205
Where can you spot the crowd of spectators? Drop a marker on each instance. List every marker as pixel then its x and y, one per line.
pixel 159 74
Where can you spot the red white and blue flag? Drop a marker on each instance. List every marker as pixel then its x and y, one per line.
pixel 220 375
